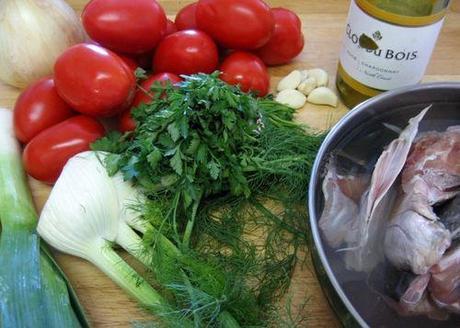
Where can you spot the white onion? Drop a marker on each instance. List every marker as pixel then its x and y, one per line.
pixel 33 33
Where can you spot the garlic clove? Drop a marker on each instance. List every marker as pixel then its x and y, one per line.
pixel 323 96
pixel 307 86
pixel 304 75
pixel 320 76
pixel 291 98
pixel 290 81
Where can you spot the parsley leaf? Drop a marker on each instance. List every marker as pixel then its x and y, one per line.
pixel 176 163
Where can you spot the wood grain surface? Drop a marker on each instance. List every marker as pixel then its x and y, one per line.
pixel 323 26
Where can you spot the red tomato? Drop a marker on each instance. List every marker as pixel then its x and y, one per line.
pixel 236 24
pixel 247 70
pixel 186 52
pixel 287 40
pixel 94 80
pixel 127 59
pixel 125 25
pixel 37 108
pixel 126 122
pixel 170 27
pixel 185 18
pixel 142 98
pixel 47 153
pixel 131 63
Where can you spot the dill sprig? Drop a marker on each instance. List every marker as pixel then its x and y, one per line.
pixel 226 175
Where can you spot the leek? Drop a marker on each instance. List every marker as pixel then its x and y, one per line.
pixel 33 293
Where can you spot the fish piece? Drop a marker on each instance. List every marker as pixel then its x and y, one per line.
pixel 444 285
pixel 354 186
pixel 413 242
pixel 414 293
pixel 369 253
pixel 391 162
pixel 415 239
pixel 366 249
pixel 450 217
pixel 392 282
pixel 417 301
pixel 432 169
pixel 341 194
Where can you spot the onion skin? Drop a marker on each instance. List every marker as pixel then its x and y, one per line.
pixel 33 33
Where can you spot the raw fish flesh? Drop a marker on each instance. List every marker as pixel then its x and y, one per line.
pixel 413 242
pixel 365 250
pixel 364 237
pixel 388 167
pixel 342 194
pixel 369 253
pixel 445 281
pixel 409 294
pixel 432 170
pixel 415 239
pixel 450 216
pixel 417 301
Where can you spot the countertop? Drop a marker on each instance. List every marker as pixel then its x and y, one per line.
pixel 323 25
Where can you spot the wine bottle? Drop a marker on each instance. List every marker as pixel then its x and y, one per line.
pixel 387 44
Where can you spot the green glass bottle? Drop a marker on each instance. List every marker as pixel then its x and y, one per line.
pixel 387 44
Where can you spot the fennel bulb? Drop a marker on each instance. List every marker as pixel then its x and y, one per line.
pixel 82 217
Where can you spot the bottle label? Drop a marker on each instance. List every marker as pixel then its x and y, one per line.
pixel 385 56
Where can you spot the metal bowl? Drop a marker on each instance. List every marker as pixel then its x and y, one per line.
pixel 354 302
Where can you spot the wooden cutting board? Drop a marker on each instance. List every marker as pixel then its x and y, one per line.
pixel 323 26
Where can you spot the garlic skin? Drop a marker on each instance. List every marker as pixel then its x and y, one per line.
pixel 33 33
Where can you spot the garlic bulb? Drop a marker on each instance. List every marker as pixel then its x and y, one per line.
pixel 33 33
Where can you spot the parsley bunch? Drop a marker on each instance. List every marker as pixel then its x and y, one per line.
pixel 205 153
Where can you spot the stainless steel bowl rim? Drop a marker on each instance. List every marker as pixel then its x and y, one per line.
pixel 316 176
